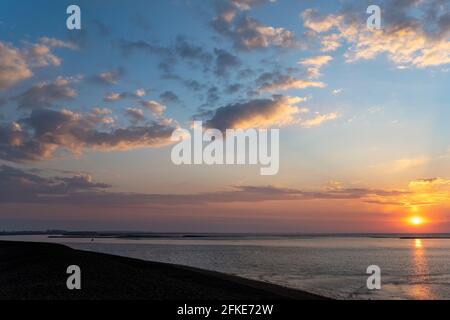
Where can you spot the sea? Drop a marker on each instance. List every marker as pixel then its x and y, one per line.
pixel 336 266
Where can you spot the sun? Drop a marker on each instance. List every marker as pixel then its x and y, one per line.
pixel 416 220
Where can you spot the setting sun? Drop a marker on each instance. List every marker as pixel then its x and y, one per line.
pixel 416 220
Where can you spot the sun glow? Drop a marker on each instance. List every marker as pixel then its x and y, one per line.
pixel 416 220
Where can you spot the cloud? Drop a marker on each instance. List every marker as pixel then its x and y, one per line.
pixel 45 94
pixel 129 47
pixel 56 43
pixel 233 88
pixel 428 192
pixel 188 51
pixel 115 96
pixel 109 77
pixel 414 33
pixel 248 33
pixel 225 62
pixel 19 185
pixel 420 193
pixel 155 107
pixel 278 111
pixel 314 64
pixel 135 114
pixel 30 186
pixel 270 82
pixel 180 50
pixel 169 97
pixel 40 54
pixel 430 184
pixel 314 21
pixel 193 85
pixel 318 119
pixel 404 164
pixel 25 186
pixel 13 66
pixel 47 134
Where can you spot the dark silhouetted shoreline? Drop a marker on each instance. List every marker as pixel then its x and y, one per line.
pixel 38 271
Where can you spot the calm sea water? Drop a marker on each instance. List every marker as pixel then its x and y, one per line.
pixel 330 266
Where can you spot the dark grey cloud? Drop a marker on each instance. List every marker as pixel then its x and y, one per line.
pixel 135 115
pixel 46 94
pixel 129 47
pixel 193 85
pixel 22 186
pixel 277 81
pixel 245 32
pixel 212 96
pixel 47 133
pixel 181 49
pixel 225 62
pixel 169 97
pixel 254 113
pixel 233 88
pixel 25 186
pixel 188 51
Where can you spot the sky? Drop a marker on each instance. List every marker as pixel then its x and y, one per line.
pixel 86 116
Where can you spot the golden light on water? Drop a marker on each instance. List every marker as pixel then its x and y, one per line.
pixel 418 243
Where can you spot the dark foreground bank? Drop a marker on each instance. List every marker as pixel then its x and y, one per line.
pixel 38 271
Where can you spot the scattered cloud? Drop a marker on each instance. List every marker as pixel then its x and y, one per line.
pixel 46 94
pixel 169 97
pixel 115 96
pixel 13 66
pixel 135 114
pixel 314 64
pixel 318 119
pixel 248 33
pixel 337 91
pixel 270 82
pixel 155 107
pixel 279 110
pixel 188 51
pixel 109 77
pixel 225 62
pixel 414 33
pixel 16 64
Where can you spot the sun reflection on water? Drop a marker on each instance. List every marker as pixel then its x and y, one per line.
pixel 420 289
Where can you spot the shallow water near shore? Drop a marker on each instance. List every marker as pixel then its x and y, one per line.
pixel 332 266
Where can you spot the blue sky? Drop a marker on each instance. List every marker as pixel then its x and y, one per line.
pixel 97 105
